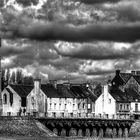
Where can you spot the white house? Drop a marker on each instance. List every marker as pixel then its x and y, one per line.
pixel 14 99
pixel 115 103
pixel 105 105
pixel 50 101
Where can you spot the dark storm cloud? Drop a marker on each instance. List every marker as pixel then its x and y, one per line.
pixel 26 54
pixel 99 51
pixel 1 3
pixel 125 10
pixel 8 51
pixel 99 72
pixel 98 1
pixel 26 3
pixel 119 32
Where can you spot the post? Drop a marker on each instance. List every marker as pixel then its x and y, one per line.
pixel 0 83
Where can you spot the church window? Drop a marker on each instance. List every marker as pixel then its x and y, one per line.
pixel 23 101
pixel 5 99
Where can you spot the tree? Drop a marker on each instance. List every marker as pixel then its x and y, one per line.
pixel 7 76
pixel 28 80
pixel 19 77
pixel 13 78
pixel 3 80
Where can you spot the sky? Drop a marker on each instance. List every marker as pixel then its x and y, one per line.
pixel 76 40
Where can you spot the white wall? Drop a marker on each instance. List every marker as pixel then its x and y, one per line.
pixel 105 104
pixel 133 106
pixel 38 104
pixel 14 109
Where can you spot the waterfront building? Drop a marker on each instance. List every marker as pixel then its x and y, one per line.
pixel 14 99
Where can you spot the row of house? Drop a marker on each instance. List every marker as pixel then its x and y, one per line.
pixel 120 98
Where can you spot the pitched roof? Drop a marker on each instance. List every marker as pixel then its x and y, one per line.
pixel 50 91
pixel 125 76
pixel 64 91
pixel 137 78
pixel 128 95
pixel 82 92
pixel 21 90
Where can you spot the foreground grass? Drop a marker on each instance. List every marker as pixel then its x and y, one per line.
pixel 61 138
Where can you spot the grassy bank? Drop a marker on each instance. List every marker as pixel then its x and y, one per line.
pixel 19 126
pixel 61 138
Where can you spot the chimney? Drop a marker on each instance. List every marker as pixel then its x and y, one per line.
pixel 37 85
pixel 133 72
pixel 138 72
pixel 117 72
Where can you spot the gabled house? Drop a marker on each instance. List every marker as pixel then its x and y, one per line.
pixel 50 101
pixel 14 99
pixel 85 99
pixel 127 80
pixel 115 103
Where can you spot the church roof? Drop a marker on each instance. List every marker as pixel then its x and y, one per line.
pixel 21 90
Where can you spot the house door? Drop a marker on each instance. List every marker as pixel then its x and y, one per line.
pixel 136 107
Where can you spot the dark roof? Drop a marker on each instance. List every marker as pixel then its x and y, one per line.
pixel 22 90
pixel 128 95
pixel 137 78
pixel 64 91
pixel 125 76
pixel 50 91
pixel 9 90
pixel 82 92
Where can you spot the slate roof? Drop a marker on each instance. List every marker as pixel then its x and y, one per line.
pixel 128 95
pixel 50 91
pixel 64 91
pixel 137 78
pixel 22 90
pixel 82 92
pixel 125 76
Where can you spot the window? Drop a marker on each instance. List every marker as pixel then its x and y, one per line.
pixel 60 106
pixel 73 106
pixel 50 105
pixel 5 99
pixel 127 107
pixel 23 101
pixel 120 106
pixel 11 98
pixel 65 106
pixel 83 105
pixel 71 114
pixel 78 105
pixel 54 105
pixel 109 101
pixel 136 107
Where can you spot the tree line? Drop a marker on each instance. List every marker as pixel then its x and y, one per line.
pixel 16 77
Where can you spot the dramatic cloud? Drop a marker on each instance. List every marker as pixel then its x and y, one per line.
pixel 97 51
pixel 98 1
pixel 27 2
pixel 82 40
pixel 119 32
pixel 125 10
